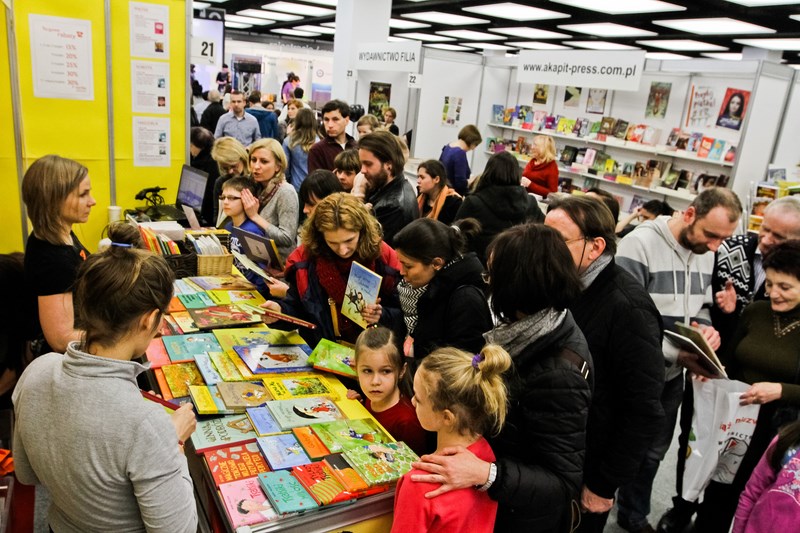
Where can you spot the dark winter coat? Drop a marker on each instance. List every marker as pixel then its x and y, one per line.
pixel 395 206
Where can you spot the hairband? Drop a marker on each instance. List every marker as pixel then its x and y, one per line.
pixel 476 360
pixel 121 245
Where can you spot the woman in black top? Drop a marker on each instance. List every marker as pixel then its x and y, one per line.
pixel 201 141
pixel 57 194
pixel 436 199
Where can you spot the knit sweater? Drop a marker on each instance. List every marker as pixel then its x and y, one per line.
pixel 678 280
pixel 109 458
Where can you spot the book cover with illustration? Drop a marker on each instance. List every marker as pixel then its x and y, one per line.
pixel 233 463
pixel 497 113
pixel 620 129
pixel 186 347
pixel 285 493
pixel 179 376
pixel 207 400
pixel 184 286
pixel 310 442
pixel 715 153
pixel 344 473
pixel 157 353
pixel 705 146
pixel 282 451
pixel 224 366
pixel 263 421
pixel 607 125
pixel 220 297
pixel 168 326
pixel 286 388
pixel 221 316
pixel 184 322
pixel 363 287
pixel 693 144
pixel 207 369
pixel 175 305
pixel 269 358
pixel 227 283
pixel 197 300
pixel 303 411
pixel 230 430
pixel 378 464
pixel 341 435
pixel 333 357
pixel 246 503
pixel 320 482
pixel 238 396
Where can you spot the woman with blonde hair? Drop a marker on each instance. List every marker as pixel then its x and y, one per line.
pixel 232 159
pixel 340 231
pixel 367 124
pixel 276 209
pixel 297 145
pixel 57 194
pixel 541 173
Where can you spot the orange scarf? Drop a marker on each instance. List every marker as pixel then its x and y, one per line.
pixel 438 203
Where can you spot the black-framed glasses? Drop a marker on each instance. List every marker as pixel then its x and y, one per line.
pixel 228 197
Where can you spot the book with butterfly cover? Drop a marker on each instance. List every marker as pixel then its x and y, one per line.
pixel 282 451
pixel 303 411
pixel 246 503
pixel 272 358
pixel 234 463
pixel 363 289
pixel 341 435
pixel 379 464
pixel 285 493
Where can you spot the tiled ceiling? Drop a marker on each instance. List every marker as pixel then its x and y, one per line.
pixel 665 29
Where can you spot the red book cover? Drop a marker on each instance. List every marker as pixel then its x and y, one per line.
pixel 310 443
pixel 233 463
pixel 318 480
pixel 705 146
pixel 162 384
pixel 157 354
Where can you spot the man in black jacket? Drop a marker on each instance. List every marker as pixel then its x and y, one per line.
pixel 623 329
pixel 392 198
pixel 211 115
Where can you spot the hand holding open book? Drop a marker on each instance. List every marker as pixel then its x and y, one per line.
pixel 696 352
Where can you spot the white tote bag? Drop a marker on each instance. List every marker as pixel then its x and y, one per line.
pixel 720 435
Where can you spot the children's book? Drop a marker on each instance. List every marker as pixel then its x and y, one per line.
pixel 693 144
pixel 341 435
pixel 186 347
pixel 303 411
pixel 589 156
pixel 285 493
pixel 672 140
pixel 682 143
pixel 263 421
pixel 246 503
pixel 184 322
pixel 715 154
pixel 607 125
pixel 175 305
pixel 539 118
pixel 705 146
pixel 207 401
pixel 497 113
pixel 363 287
pixel 230 430
pixel 620 129
pixel 691 339
pixel 235 462
pixel 320 482
pixel 345 473
pixel 179 376
pixel 651 136
pixel 224 366
pixel 310 442
pixel 378 464
pixel 162 384
pixel 289 387
pixel 269 358
pixel 197 300
pixel 730 155
pixel 568 155
pixel 207 369
pixel 227 283
pixel 184 286
pixel 220 297
pixel 240 395
pixel 168 326
pixel 637 134
pixel 670 181
pixel 282 451
pixel 334 357
pixel 157 354
pixel 221 316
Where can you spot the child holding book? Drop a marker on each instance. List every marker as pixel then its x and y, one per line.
pixel 461 397
pixel 384 379
pixel 233 208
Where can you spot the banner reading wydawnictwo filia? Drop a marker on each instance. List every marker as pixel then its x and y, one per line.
pixel 397 57
pixel 621 71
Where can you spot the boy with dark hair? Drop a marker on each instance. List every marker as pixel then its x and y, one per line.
pixel 346 166
pixel 267 120
pixel 234 209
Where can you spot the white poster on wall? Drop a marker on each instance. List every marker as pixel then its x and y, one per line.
pixel 149 30
pixel 61 57
pixel 396 57
pixel 150 87
pixel 621 71
pixel 451 111
pixel 150 142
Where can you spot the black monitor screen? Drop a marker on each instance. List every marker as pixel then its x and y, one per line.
pixel 192 187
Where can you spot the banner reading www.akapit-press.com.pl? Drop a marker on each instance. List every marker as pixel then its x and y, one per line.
pixel 618 70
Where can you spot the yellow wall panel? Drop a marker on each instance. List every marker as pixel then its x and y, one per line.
pixel 11 236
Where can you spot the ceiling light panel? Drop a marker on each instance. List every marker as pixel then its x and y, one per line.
pixel 601 45
pixel 530 33
pixel 622 7
pixel 453 47
pixel 295 33
pixel 713 26
pixel 400 24
pixel 299 9
pixel 726 56
pixel 684 45
pixel 488 46
pixel 512 11
pixel 607 29
pixel 248 20
pixel 536 45
pixel 761 3
pixel 200 5
pixel 331 3
pixel 425 37
pixel 437 17
pixel 393 39
pixel 771 44
pixel 316 29
pixel 470 35
pixel 271 15
pixel 237 25
pixel 664 56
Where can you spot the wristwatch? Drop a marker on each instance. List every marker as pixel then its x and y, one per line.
pixel 490 481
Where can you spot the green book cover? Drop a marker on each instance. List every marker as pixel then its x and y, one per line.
pixel 380 464
pixel 334 358
pixel 341 435
pixel 285 493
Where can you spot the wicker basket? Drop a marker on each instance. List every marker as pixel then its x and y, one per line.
pixel 214 265
pixel 183 265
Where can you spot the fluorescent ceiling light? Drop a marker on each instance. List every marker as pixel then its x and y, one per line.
pixel 393 39
pixel 601 45
pixel 329 24
pixel 488 46
pixel 761 3
pixel 536 45
pixel 607 29
pixel 425 37
pixel 200 5
pixel 331 3
pixel 622 7
pixel 510 10
pixel 453 47
pixel 794 17
pixel 316 29
pixel 299 9
pixel 437 17
pixel 530 33
pixel 272 15
pixel 401 24
pixel 295 33
pixel 217 1
pixel 237 25
pixel 248 20
pixel 771 44
pixel 796 67
pixel 664 56
pixel 470 35
pixel 726 56
pixel 684 45
pixel 713 26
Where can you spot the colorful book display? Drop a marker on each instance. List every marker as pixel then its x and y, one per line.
pixel 290 387
pixel 285 493
pixel 246 503
pixel 263 421
pixel 310 442
pixel 319 481
pixel 334 357
pixel 185 347
pixel 222 316
pixel 303 411
pixel 267 358
pixel 341 435
pixel 241 395
pixel 282 451
pixel 214 433
pixel 378 464
pixel 235 462
pixel 179 376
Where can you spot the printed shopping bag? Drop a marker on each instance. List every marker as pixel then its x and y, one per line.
pixel 720 435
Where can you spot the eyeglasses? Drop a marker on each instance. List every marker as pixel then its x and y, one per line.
pixel 224 197
pixel 567 241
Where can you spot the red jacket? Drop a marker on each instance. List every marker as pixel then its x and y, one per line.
pixel 544 177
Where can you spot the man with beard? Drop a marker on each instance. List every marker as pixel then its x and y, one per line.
pixel 335 118
pixel 390 194
pixel 669 257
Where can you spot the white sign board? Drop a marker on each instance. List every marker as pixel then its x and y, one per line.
pixel 149 27
pixel 150 87
pixel 205 50
pixel 150 142
pixel 414 80
pixel 61 57
pixel 396 57
pixel 620 71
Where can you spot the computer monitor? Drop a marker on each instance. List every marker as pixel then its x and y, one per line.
pixel 192 187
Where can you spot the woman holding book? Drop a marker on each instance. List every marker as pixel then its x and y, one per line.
pixel 339 232
pixel 541 173
pixel 110 460
pixel 540 450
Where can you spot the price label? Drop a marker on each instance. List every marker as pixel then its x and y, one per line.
pixel 204 51
pixel 414 80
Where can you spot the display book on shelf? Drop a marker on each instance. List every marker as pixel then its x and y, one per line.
pixel 762 193
pixel 591 161
pixel 294 420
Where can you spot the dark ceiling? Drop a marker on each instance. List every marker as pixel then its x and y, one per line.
pixel 774 17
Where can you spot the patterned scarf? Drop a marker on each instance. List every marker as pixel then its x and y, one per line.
pixel 517 336
pixel 409 297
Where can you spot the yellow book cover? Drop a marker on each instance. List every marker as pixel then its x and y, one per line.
pixel 228 297
pixel 225 367
pixel 624 179
pixel 288 387
pixel 203 401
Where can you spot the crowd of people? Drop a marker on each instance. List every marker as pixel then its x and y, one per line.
pixel 521 353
